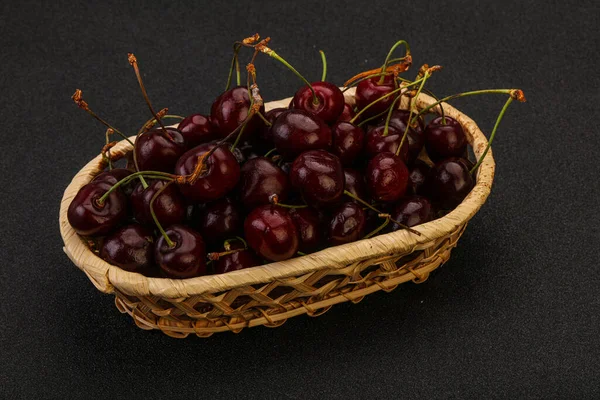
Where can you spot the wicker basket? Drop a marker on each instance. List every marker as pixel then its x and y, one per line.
pixel 270 294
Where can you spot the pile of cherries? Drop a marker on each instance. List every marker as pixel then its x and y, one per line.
pixel 242 187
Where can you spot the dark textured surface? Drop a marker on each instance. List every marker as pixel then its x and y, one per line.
pixel 513 314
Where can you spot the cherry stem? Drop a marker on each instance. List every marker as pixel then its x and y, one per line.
pixel 510 99
pixel 408 121
pixel 274 199
pixel 356 82
pixel 237 139
pixel 234 64
pixel 374 117
pixel 127 179
pixel 109 131
pixel 134 64
pixel 170 243
pixel 227 243
pixel 324 60
pixel 301 254
pixel 364 203
pixel 389 56
pixel 268 153
pixel 386 128
pixel 271 53
pixel 379 228
pixel 265 120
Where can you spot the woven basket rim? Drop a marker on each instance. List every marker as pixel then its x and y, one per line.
pixel 107 277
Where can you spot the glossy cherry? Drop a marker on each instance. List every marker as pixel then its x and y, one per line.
pixel 318 176
pixel 449 182
pixel 296 131
pixel 370 90
pixel 169 206
pixel 412 210
pixel 271 233
pixel 308 223
pixel 186 259
pixel 387 177
pixel 355 184
pixel 347 224
pixel 259 180
pixel 230 110
pixel 443 140
pixel 265 134
pixel 90 218
pixel 415 135
pixel 418 177
pixel 113 176
pixel 220 175
pixel 197 129
pixel 377 143
pixel 157 151
pixel 348 141
pixel 347 113
pixel 241 259
pixel 219 220
pixel 329 104
pixel 130 248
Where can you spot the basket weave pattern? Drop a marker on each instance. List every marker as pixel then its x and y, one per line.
pixel 270 294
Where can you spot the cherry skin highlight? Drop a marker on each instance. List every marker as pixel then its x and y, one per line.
pixel 231 109
pixel 411 211
pixel 296 131
pixel 130 248
pixel 387 177
pixel 347 114
pixel 330 101
pixel 241 259
pixel 260 179
pixel 445 140
pixel 157 152
pixel 186 259
pixel 197 129
pixel 449 182
pixel 377 143
pixel 318 176
pixel 169 206
pixel 348 142
pixel 220 220
pixel 347 224
pixel 271 233
pixel 308 224
pixel 369 90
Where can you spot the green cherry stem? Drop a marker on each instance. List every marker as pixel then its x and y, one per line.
pixel 424 79
pixel 227 243
pixel 170 243
pixel 379 228
pixel 268 153
pixel 356 82
pixel 265 120
pixel 386 129
pixel 127 179
pixel 324 60
pixel 234 64
pixel 389 56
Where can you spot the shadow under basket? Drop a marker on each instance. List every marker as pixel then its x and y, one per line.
pixel 270 294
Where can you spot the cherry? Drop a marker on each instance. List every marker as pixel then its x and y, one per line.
pixel 415 135
pixel 236 260
pixel 219 220
pixel 443 140
pixel 355 184
pixel 265 134
pixel 271 233
pixel 295 131
pixel 348 141
pixel 308 222
pixel 347 224
pixel 387 177
pixel 89 217
pixel 347 113
pixel 449 182
pixel 259 180
pixel 377 143
pixel 130 248
pixel 113 176
pixel 197 129
pixel 230 110
pixel 186 258
pixel 221 173
pixel 318 176
pixel 412 210
pixel 329 102
pixel 169 206
pixel 370 90
pixel 418 177
pixel 156 150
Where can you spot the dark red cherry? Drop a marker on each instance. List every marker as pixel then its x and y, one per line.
pixel 377 143
pixel 90 218
pixel 347 224
pixel 186 259
pixel 197 129
pixel 230 109
pixel 221 173
pixel 115 175
pixel 271 233
pixel 355 184
pixel 130 248
pixel 449 182
pixel 220 220
pixel 445 140
pixel 296 131
pixel 348 141
pixel 241 259
pixel 265 135
pixel 417 178
pixel 318 176
pixel 415 135
pixel 169 206
pixel 411 211
pixel 248 150
pixel 330 102
pixel 259 180
pixel 308 223
pixel 347 113
pixel 156 151
pixel 387 177
pixel 369 90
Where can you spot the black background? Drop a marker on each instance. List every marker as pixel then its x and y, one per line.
pixel 513 314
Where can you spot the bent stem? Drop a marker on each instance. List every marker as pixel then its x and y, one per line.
pixel 127 179
pixel 170 243
pixel 378 229
pixel 389 56
pixel 386 128
pixel 324 60
pixel 408 121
